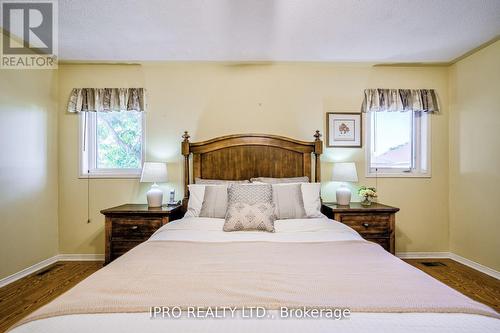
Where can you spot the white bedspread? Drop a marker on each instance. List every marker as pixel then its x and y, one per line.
pixel 307 230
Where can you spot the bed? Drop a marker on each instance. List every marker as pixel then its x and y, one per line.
pixel 191 276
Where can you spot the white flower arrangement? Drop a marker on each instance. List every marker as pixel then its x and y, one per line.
pixel 367 192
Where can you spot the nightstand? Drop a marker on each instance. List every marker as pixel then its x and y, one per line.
pixel 129 225
pixel 375 223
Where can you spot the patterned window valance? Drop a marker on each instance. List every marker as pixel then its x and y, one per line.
pixel 400 100
pixel 106 99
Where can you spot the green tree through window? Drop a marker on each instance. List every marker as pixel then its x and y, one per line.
pixel 119 140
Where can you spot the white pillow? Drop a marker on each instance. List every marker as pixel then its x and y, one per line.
pixel 196 195
pixel 214 201
pixel 288 201
pixel 311 198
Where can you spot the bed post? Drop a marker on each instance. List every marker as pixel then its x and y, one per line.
pixel 186 152
pixel 318 150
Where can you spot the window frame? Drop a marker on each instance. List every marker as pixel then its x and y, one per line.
pixel 90 138
pixel 416 172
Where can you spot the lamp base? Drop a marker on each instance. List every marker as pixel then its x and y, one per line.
pixel 155 196
pixel 343 196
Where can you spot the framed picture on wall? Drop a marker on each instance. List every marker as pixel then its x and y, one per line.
pixel 343 129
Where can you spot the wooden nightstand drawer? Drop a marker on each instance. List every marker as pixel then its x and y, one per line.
pixel 375 223
pixel 119 248
pixel 367 223
pixel 129 225
pixel 134 227
pixel 385 242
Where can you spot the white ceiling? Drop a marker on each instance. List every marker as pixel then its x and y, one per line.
pixel 384 31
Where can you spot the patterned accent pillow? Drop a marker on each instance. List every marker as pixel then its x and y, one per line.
pixel 250 193
pixel 245 217
pixel 268 180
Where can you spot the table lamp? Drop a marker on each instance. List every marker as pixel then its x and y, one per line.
pixel 154 172
pixel 344 172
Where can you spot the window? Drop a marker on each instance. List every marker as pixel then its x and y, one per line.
pixel 398 144
pixel 111 144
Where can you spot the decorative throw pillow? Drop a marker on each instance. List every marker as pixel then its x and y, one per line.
pixel 250 193
pixel 288 201
pixel 250 207
pixel 214 202
pixel 269 180
pixel 219 181
pixel 246 217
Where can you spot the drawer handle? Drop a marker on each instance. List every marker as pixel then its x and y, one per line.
pixel 366 225
pixel 134 227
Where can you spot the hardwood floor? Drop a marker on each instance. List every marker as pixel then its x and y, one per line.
pixel 478 286
pixel 22 297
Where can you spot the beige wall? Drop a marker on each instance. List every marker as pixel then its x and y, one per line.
pixel 211 99
pixel 28 168
pixel 475 157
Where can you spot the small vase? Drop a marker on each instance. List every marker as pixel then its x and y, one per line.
pixel 366 202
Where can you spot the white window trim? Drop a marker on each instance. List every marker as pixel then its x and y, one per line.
pixel 397 173
pixel 104 173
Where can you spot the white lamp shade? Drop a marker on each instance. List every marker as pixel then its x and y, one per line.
pixel 344 172
pixel 154 172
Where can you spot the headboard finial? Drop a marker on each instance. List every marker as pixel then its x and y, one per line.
pixel 186 152
pixel 318 150
pixel 317 135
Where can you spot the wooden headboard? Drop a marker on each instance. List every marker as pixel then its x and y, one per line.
pixel 243 156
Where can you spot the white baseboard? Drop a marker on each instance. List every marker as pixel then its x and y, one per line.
pixel 27 271
pixel 450 255
pixel 47 262
pixel 476 266
pixel 423 255
pixel 80 257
